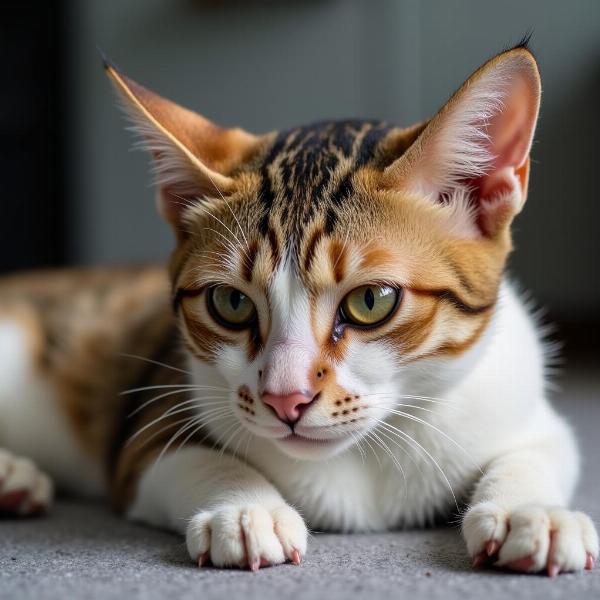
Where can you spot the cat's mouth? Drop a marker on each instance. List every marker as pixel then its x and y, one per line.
pixel 301 440
pixel 302 446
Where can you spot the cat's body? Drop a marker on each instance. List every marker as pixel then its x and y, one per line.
pixel 366 411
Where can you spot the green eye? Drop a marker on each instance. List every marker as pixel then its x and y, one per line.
pixel 369 304
pixel 230 307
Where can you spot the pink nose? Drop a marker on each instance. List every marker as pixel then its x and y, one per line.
pixel 288 407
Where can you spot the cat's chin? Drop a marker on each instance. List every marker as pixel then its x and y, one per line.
pixel 298 446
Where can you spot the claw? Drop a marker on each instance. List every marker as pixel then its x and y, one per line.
pixel 203 559
pixel 553 570
pixel 492 547
pixel 255 565
pixel 478 560
pixel 295 557
pixel 589 562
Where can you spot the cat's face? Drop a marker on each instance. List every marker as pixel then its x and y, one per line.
pixel 332 272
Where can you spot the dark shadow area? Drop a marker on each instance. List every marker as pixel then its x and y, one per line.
pixel 32 130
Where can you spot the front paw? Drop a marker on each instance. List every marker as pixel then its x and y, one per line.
pixel 531 538
pixel 250 536
pixel 24 489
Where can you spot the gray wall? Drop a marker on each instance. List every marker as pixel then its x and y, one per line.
pixel 266 65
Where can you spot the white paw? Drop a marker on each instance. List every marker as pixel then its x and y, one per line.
pixel 24 489
pixel 247 536
pixel 531 538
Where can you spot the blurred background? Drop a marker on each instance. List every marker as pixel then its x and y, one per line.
pixel 74 194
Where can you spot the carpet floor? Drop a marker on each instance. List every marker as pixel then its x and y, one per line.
pixel 83 551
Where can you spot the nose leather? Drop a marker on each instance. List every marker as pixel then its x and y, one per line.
pixel 288 406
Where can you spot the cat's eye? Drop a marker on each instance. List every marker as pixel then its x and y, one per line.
pixel 369 305
pixel 231 307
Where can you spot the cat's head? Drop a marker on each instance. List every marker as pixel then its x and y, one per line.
pixel 329 272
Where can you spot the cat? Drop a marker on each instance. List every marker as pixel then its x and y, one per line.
pixel 336 344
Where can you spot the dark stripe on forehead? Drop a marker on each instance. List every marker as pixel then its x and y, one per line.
pixel 311 247
pixel 299 170
pixel 249 259
pixel 274 245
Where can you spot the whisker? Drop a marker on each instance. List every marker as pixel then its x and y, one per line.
pixel 226 227
pixel 230 245
pixel 366 438
pixel 356 441
pixel 157 420
pixel 229 440
pixel 377 439
pixel 155 362
pixel 412 441
pixel 203 423
pixel 240 440
pixel 172 424
pixel 189 386
pixel 393 395
pixel 218 441
pixel 342 250
pixel 438 430
pixel 165 395
pixel 237 221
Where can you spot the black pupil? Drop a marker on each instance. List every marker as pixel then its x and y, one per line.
pixel 234 299
pixel 369 298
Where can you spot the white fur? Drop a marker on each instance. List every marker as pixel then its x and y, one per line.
pixel 31 423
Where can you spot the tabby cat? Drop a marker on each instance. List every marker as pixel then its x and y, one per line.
pixel 335 345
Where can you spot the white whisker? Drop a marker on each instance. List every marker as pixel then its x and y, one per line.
pixel 412 441
pixel 155 362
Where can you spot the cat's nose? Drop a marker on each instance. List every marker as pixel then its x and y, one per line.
pixel 288 407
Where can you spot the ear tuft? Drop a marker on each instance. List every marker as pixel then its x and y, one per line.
pixel 524 43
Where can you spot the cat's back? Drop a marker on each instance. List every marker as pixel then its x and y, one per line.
pixel 65 337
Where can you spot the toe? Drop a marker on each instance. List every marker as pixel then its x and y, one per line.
pixel 484 529
pixel 567 551
pixel 526 546
pixel 262 544
pixel 197 538
pixel 291 531
pixel 589 535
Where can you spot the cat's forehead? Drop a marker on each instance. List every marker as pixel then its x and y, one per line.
pixel 307 174
pixel 308 200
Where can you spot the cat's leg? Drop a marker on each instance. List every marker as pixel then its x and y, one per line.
pixel 24 488
pixel 518 516
pixel 229 513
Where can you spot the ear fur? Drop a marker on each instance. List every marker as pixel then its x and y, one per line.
pixel 474 155
pixel 192 155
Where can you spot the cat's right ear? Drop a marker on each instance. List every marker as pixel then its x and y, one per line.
pixel 193 157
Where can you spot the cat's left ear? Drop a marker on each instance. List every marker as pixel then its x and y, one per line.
pixel 476 149
pixel 193 157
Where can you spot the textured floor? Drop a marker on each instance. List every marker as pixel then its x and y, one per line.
pixel 82 551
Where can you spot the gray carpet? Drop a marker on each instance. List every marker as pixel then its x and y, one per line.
pixel 83 551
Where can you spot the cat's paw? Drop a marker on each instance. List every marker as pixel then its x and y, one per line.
pixel 250 536
pixel 24 489
pixel 531 538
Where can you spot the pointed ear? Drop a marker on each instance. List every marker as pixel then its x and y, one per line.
pixel 475 151
pixel 192 156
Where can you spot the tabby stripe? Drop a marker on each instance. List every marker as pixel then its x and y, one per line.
pixel 249 262
pixel 182 293
pixel 274 244
pixel 451 297
pixel 311 248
